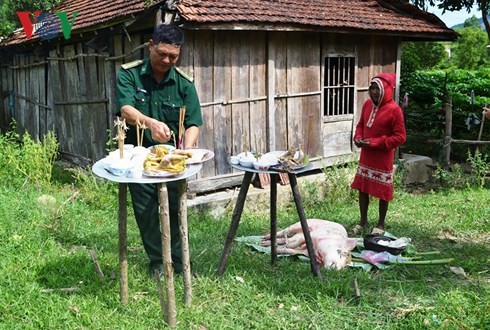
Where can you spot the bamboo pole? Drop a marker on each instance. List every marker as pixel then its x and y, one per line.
pixel 448 107
pixel 164 217
pixel 183 229
pixel 123 243
pixel 478 143
pixel 481 126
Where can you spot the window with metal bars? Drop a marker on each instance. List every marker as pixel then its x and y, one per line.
pixel 339 86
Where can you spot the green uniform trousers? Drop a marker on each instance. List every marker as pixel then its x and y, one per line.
pixel 145 206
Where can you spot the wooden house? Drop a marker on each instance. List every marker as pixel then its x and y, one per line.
pixel 270 73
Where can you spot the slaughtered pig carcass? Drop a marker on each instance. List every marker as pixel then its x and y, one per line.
pixel 331 244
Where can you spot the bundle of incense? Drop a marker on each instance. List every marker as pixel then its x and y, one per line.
pixel 121 134
pixel 140 132
pixel 180 141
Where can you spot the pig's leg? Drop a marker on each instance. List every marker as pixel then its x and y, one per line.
pixel 286 232
pixel 285 250
pixel 291 242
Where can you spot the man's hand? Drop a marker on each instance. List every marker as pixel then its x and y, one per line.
pixel 159 131
pixel 359 142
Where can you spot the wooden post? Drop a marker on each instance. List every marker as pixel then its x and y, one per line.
pixel 123 243
pixel 164 217
pixel 315 269
pixel 183 229
pixel 448 109
pixel 481 126
pixel 235 220
pixel 273 215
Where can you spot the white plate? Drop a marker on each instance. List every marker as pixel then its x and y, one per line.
pixel 277 153
pixel 208 154
pixel 162 174
pixel 168 146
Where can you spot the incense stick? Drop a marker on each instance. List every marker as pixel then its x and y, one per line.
pixel 181 126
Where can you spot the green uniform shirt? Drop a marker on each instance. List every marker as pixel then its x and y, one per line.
pixel 162 101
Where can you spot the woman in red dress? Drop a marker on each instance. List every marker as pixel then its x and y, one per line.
pixel 380 130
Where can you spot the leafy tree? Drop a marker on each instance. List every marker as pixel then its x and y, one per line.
pixel 472 22
pixel 422 55
pixel 8 8
pixel 457 5
pixel 469 50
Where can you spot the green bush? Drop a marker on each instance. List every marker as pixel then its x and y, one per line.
pixel 24 160
pixel 425 115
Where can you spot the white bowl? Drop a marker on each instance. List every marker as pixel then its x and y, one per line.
pixel 261 166
pixel 245 162
pixel 121 167
pixel 234 160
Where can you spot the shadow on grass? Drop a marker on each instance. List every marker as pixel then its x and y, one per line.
pixel 72 274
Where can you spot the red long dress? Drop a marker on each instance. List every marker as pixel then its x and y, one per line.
pixel 385 129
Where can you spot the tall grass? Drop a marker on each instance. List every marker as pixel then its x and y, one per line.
pixel 48 280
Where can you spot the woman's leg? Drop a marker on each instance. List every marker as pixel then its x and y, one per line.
pixel 383 209
pixel 363 208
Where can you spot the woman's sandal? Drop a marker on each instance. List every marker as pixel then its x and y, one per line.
pixel 358 229
pixel 377 231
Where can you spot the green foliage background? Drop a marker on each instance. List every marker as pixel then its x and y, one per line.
pixel 428 74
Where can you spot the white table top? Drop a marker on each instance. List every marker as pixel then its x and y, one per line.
pixel 99 170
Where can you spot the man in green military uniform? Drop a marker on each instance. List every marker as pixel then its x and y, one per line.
pixel 151 92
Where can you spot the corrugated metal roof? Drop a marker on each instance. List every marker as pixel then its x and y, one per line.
pixel 388 16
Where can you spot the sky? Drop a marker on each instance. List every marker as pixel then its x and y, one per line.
pixel 453 18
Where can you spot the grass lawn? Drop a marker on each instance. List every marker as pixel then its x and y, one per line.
pixel 44 249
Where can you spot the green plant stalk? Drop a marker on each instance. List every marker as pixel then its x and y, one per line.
pixel 427 253
pixel 413 262
pixel 425 262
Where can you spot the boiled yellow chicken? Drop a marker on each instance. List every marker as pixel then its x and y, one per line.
pixel 172 163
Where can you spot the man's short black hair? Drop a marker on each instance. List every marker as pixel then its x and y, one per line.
pixel 168 34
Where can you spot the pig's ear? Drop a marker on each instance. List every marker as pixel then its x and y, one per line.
pixel 351 243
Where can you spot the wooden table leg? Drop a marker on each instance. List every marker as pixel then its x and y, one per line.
pixel 123 242
pixel 235 220
pixel 304 225
pixel 273 215
pixel 164 218
pixel 184 234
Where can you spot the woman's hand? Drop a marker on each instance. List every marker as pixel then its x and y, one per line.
pixel 359 142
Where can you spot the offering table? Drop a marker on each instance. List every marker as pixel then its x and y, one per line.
pixel 237 213
pixel 170 308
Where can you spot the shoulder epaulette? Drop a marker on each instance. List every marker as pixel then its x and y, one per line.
pixel 183 74
pixel 131 65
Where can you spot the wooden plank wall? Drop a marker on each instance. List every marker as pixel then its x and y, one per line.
pixel 197 60
pixel 229 69
pixel 5 78
pixel 303 76
pixel 279 45
pixel 78 93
